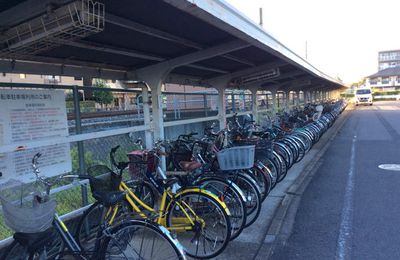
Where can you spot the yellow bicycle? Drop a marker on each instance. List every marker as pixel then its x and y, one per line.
pixel 198 219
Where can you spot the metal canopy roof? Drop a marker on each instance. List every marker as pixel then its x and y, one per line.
pixel 201 41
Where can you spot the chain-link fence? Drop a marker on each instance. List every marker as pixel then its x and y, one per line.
pixel 110 120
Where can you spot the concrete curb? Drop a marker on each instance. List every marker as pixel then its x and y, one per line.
pixel 276 231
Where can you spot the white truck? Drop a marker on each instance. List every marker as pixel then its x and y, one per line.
pixel 363 96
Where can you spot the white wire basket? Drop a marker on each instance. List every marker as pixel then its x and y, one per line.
pixel 23 213
pixel 236 158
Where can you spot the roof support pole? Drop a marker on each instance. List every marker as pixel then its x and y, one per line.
pixel 297 99
pixel 286 105
pixel 220 84
pixel 221 107
pixel 301 99
pixel 154 79
pixel 254 107
pixel 274 101
pixel 146 116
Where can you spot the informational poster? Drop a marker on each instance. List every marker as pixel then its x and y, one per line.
pixel 33 115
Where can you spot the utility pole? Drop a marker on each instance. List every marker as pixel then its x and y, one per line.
pixel 306 51
pixel 261 17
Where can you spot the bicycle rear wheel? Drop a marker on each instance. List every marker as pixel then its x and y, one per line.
pixel 211 231
pixel 230 193
pixel 253 197
pixel 15 251
pixel 140 239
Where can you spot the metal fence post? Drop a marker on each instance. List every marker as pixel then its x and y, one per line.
pixel 81 153
pixel 233 103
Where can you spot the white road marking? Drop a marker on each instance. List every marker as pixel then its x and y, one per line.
pixel 343 250
pixel 390 167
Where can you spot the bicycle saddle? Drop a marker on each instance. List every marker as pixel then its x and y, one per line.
pixel 109 198
pixel 34 241
pixel 189 166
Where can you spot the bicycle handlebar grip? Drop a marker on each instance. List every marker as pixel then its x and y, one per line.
pixel 35 157
pixel 114 149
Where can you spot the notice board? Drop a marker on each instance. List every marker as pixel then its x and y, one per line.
pixel 33 115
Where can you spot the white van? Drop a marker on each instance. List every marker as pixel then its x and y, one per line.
pixel 363 96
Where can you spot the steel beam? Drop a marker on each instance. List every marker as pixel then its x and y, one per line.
pixel 196 56
pixel 240 73
pixel 42 68
pixel 134 26
pixel 69 62
pixel 130 53
pixel 279 85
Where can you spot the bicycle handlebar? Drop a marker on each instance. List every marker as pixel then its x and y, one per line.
pixel 187 136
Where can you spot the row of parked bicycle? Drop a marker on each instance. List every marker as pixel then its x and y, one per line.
pixel 187 197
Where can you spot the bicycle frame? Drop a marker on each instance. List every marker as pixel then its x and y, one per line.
pixel 73 247
pixel 186 223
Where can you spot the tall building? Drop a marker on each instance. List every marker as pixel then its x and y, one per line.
pixel 388 59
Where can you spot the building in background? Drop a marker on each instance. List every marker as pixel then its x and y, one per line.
pixel 388 59
pixel 388 76
pixel 385 80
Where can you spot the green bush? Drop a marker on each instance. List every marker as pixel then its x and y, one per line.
pixel 384 93
pixel 75 159
pixel 347 95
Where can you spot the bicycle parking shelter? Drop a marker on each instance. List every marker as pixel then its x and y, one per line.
pixel 187 42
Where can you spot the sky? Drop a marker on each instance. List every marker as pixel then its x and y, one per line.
pixel 343 36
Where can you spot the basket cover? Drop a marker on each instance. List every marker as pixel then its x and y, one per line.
pixel 28 217
pixel 236 158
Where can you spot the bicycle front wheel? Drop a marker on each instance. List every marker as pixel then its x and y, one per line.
pixel 140 239
pixel 210 233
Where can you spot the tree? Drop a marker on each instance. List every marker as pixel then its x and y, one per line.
pixel 101 96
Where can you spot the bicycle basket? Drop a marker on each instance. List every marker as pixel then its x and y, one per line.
pixel 263 147
pixel 105 180
pixel 236 158
pixel 141 161
pixel 23 213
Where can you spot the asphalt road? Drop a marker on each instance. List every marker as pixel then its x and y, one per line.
pixel 351 208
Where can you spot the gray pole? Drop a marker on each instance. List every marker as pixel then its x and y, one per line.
pixel 205 104
pixel 81 154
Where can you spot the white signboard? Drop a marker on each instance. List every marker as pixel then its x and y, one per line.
pixel 33 115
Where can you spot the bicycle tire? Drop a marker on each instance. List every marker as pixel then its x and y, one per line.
pixel 53 250
pixel 88 227
pixel 208 205
pixel 230 193
pixel 16 251
pixel 140 239
pixel 252 192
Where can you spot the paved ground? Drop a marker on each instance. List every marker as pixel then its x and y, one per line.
pixel 258 240
pixel 351 208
